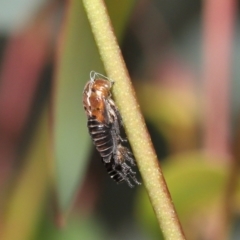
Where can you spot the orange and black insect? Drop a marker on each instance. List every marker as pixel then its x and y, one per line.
pixel 104 123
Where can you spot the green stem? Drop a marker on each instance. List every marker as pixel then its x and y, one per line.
pixel 135 127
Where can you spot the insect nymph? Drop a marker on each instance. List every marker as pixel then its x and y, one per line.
pixel 104 123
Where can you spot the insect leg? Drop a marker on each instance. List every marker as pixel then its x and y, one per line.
pixel 122 171
pixel 129 157
pixel 111 119
pixel 117 119
pixel 135 179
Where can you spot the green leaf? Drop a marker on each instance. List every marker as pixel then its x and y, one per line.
pixel 194 181
pixel 25 205
pixel 195 184
pixel 78 55
pixel 77 228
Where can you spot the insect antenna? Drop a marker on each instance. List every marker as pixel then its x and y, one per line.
pixel 94 75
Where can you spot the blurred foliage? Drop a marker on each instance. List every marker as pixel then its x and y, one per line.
pixel 27 199
pixel 197 187
pixel 59 149
pixel 84 228
pixel 78 55
pixel 166 102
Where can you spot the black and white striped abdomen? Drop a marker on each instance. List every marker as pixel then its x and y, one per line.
pixel 121 172
pixel 102 138
pixel 113 173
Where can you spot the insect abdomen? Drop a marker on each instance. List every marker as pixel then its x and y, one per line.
pixel 121 172
pixel 102 138
pixel 113 173
pixel 104 125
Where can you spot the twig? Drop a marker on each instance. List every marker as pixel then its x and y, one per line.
pixel 134 123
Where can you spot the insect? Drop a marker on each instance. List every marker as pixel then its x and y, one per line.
pixel 104 125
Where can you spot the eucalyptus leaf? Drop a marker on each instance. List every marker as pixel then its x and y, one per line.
pixel 26 203
pixel 195 184
pixel 78 55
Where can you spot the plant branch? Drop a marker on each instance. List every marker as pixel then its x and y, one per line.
pixel 135 127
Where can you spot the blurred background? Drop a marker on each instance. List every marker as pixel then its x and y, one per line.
pixel 183 58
